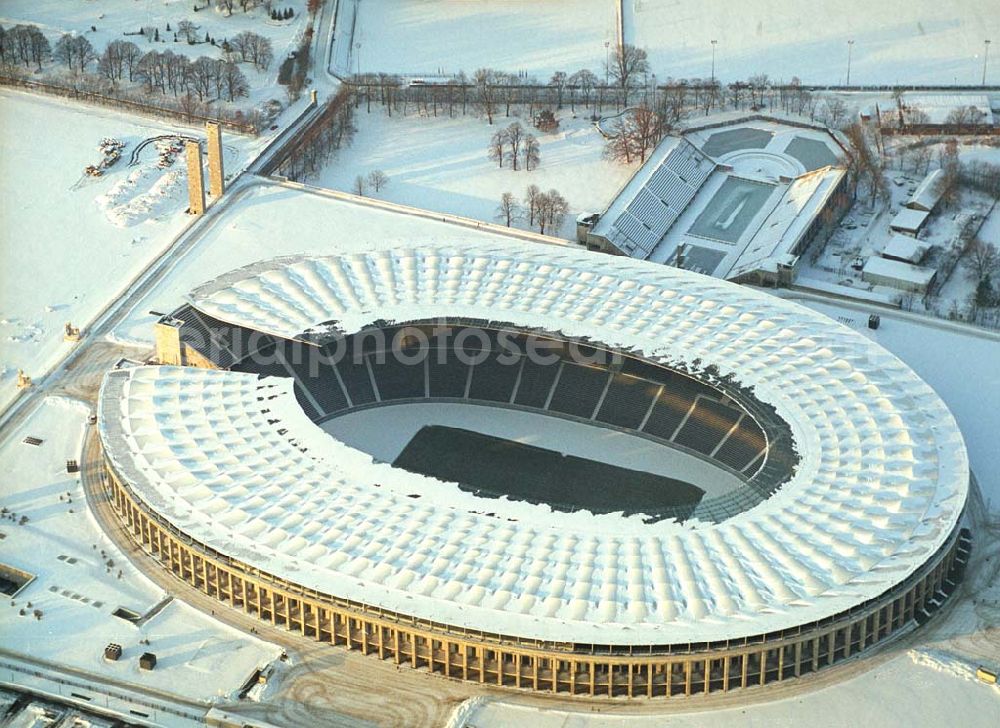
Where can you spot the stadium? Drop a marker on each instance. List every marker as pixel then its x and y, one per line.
pixel 807 504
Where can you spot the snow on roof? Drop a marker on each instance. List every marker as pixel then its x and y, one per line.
pixel 937 107
pixel 908 220
pixel 284 496
pixel 928 192
pixel 784 227
pixel 655 197
pixel 905 247
pixel 898 270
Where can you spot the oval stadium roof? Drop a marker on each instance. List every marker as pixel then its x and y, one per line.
pixel 233 461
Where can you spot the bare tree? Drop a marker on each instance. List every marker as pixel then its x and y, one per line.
pixel 836 112
pixel 225 5
pixel 234 82
pixel 498 146
pixel 515 136
pixel 360 186
pixel 39 50
pixel 188 31
pixel 625 64
pixel 377 179
pixel 203 73
pixel 486 82
pixel 74 51
pixel 532 153
pixel 508 210
pixel 981 260
pixel 531 202
pixel 253 48
pixel 585 81
pixel 552 209
pixel 558 82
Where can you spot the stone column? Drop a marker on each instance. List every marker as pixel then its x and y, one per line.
pixel 216 172
pixel 196 180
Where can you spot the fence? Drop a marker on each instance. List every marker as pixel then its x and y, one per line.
pixel 128 104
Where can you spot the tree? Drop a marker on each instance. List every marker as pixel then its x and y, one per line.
pixel 836 112
pixel 531 202
pixel 515 136
pixel 225 6
pixel 74 51
pixel 253 48
pixel 624 65
pixel 486 81
pixel 985 296
pixel 188 31
pixel 360 186
pixel 498 146
pixel 203 73
pixel 508 210
pixel 585 81
pixel 234 82
pixel 111 64
pixel 546 121
pixel 35 46
pixel 558 81
pixel 982 260
pixel 531 152
pixel 552 209
pixel 377 179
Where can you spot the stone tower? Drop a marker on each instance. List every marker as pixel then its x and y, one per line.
pixel 196 180
pixel 216 173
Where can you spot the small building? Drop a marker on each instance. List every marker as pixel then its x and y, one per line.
pixel 909 222
pixel 928 193
pixel 905 248
pixel 112 652
pixel 896 274
pixel 147 661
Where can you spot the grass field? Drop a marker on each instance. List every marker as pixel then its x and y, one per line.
pixel 492 467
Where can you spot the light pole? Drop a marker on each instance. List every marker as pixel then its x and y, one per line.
pixel 607 61
pixel 714 42
pixel 986 55
pixel 850 47
pixel 357 48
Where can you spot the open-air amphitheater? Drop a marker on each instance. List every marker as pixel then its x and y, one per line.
pixel 833 524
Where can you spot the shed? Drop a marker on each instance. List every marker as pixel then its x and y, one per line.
pixel 147 661
pixel 928 193
pixel 909 221
pixel 905 248
pixel 896 274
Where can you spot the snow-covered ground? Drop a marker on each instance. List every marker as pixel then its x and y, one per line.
pixel 905 41
pixel 69 242
pixel 895 41
pixel 77 584
pixel 102 21
pixel 442 164
pixel 442 37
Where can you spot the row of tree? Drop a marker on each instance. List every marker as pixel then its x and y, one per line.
pixel 547 210
pixel 123 61
pixel 311 150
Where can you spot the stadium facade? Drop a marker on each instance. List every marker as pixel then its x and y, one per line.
pixel 844 530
